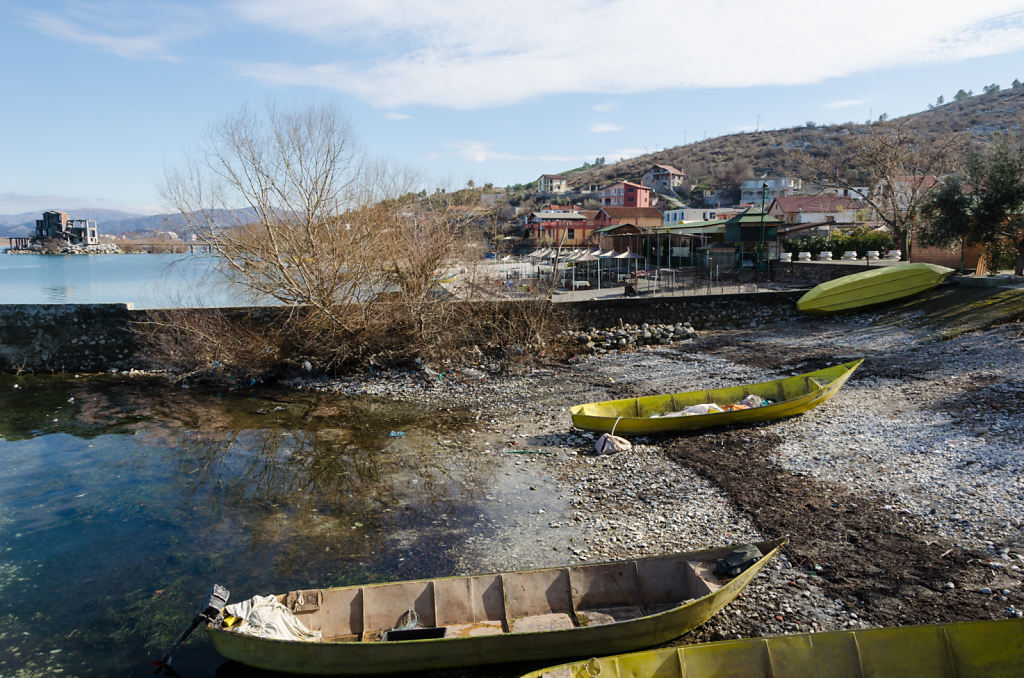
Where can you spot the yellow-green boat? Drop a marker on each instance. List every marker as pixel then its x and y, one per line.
pixel 872 287
pixel 656 413
pixel 540 614
pixel 982 649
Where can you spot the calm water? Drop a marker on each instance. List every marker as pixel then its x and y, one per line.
pixel 123 500
pixel 145 280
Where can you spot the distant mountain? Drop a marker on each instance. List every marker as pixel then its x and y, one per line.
pixel 115 223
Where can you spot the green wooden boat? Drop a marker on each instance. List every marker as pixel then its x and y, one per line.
pixel 982 649
pixel 494 618
pixel 872 287
pixel 655 414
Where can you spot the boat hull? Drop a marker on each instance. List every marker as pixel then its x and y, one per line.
pixel 793 395
pixel 362 658
pixel 983 649
pixel 872 287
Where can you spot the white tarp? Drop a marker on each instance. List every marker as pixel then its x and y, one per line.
pixel 265 617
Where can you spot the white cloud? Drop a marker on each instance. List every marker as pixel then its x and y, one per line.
pixel 846 103
pixel 482 151
pixel 464 54
pixel 603 127
pixel 393 115
pixel 127 30
pixel 603 108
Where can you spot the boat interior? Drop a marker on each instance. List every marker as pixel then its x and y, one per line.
pixel 512 602
pixel 777 391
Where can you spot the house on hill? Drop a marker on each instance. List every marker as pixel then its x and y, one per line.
pixel 663 178
pixel 624 194
pixel 751 190
pixel 812 209
pixel 552 183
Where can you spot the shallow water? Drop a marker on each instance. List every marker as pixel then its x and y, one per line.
pixel 123 500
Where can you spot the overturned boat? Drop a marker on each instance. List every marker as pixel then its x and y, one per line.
pixel 526 615
pixel 872 287
pixel 982 649
pixel 683 412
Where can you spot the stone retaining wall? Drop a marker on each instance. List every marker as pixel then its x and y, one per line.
pixel 98 337
pixel 66 337
pixel 716 311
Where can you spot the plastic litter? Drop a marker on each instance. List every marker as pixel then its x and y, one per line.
pixel 752 400
pixel 610 444
pixel 396 434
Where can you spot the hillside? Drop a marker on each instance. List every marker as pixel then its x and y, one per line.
pixel 24 224
pixel 749 154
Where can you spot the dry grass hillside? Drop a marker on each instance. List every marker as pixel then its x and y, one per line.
pixel 724 160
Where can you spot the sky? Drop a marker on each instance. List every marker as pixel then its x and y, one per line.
pixel 99 98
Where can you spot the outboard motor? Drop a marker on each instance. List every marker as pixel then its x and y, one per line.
pixel 213 606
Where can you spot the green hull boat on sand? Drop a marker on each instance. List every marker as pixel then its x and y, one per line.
pixel 982 649
pixel 543 614
pixel 657 413
pixel 876 286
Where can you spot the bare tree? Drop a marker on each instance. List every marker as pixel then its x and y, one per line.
pixel 297 214
pixel 890 168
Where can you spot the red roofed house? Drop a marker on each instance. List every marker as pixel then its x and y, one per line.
pixel 624 194
pixel 814 209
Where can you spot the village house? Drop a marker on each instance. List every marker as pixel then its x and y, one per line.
pixel 555 184
pixel 641 217
pixel 751 190
pixel 664 179
pixel 61 226
pixel 813 209
pixel 624 194
pixel 559 228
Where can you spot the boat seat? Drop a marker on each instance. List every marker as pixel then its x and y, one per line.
pixel 472 629
pixel 557 621
pixel 608 615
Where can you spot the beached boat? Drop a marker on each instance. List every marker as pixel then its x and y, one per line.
pixel 666 413
pixel 540 614
pixel 872 287
pixel 982 649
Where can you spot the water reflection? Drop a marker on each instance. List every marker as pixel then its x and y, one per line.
pixel 123 500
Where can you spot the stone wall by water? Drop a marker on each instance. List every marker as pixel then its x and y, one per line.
pixel 99 337
pixel 66 337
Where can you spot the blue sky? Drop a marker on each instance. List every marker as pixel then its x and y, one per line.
pixel 99 97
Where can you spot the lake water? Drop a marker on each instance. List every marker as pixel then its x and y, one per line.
pixel 122 501
pixel 145 280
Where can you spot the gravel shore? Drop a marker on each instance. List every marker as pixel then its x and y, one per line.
pixel 902 494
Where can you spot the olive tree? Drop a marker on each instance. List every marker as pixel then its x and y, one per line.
pixel 985 205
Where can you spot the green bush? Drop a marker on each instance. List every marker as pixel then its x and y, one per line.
pixel 860 240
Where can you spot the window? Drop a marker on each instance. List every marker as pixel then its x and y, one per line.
pixel 571 234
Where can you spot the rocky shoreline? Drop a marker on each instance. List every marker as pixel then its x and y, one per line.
pixel 901 494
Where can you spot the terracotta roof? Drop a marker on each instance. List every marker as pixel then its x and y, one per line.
pixel 589 214
pixel 668 168
pixel 619 212
pixel 817 203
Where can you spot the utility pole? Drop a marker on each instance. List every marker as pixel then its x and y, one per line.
pixel 760 240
